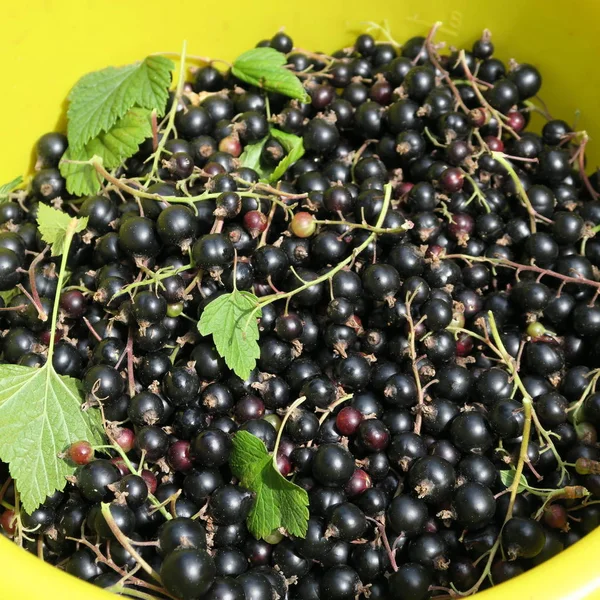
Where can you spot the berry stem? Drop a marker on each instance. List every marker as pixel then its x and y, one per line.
pixel 527 412
pixel 124 541
pixel 287 415
pixel 473 81
pixel 412 353
pixel 581 163
pixel 477 192
pixel 500 157
pixel 504 262
pixel 436 63
pixel 333 406
pixel 378 230
pixel 126 591
pixel 274 297
pixel 383 535
pixel 130 374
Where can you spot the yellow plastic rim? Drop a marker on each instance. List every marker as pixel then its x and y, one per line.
pixel 46 45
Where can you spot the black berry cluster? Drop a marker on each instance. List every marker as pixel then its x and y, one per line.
pixel 432 280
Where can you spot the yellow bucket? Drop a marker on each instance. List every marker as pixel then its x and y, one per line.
pixel 46 45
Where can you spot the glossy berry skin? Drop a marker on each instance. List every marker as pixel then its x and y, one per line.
pixel 523 538
pixel 81 453
pixel 347 522
pixel 211 448
pixel 180 533
pixel 303 225
pixel 137 237
pixel 407 515
pixel 181 385
pixel 410 582
pixel 474 505
pixel 82 564
pixel 381 281
pixel 527 80
pixel 432 479
pixel 213 250
pixel 340 583
pixel 94 478
pixel 348 420
pixel 332 465
pixel 49 149
pixel 374 435
pixel 230 504
pixel 188 573
pixel 470 432
pixel 9 263
pixel 320 136
pixel 153 441
pixel 123 518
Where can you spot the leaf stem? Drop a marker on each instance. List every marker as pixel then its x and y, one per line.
pixel 70 232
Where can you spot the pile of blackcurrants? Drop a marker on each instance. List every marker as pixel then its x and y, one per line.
pixel 448 440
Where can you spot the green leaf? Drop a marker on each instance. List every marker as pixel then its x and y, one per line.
pixel 234 329
pixel 40 416
pixel 250 157
pixel 293 145
pixel 100 99
pixel 278 502
pixel 114 146
pixel 8 295
pixel 294 148
pixel 263 67
pixel 507 477
pixel 7 188
pixel 53 226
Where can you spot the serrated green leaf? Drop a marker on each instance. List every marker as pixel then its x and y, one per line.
pixel 234 329
pixel 100 99
pixel 294 147
pixel 263 67
pixel 114 146
pixel 40 416
pixel 53 226
pixel 278 502
pixel 7 188
pixel 507 477
pixel 250 157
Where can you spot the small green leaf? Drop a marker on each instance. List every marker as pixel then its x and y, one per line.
pixel 294 148
pixel 507 477
pixel 40 416
pixel 7 188
pixel 250 157
pixel 8 295
pixel 263 67
pixel 100 99
pixel 234 328
pixel 53 226
pixel 114 146
pixel 278 502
